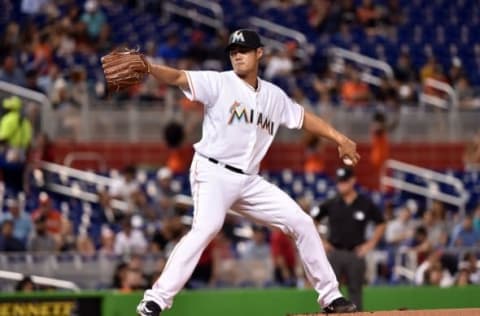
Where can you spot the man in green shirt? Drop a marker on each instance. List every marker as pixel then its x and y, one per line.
pixel 15 138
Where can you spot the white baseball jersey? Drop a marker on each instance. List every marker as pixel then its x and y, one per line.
pixel 238 127
pixel 240 122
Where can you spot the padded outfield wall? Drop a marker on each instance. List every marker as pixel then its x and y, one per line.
pixel 272 302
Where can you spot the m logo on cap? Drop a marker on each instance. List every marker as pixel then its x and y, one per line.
pixel 238 37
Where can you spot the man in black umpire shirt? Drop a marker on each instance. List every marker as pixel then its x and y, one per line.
pixel 348 214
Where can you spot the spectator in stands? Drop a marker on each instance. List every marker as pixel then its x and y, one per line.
pixel 131 281
pixel 224 261
pixel 127 188
pixel 468 271
pixel 400 230
pixel 136 264
pixel 42 51
pixel 84 245
pixel 432 272
pixel 176 230
pixel 284 258
pixel 25 285
pixel 129 240
pixel 346 13
pixel 42 240
pixel 476 219
pixel 393 13
pixel 348 214
pixel 257 248
pixel 8 242
pixel 51 216
pixel 467 236
pixel 10 39
pixel 354 92
pixel 420 244
pixel 66 240
pixel 314 154
pixel 10 72
pixel 466 94
pixel 31 81
pixel 119 275
pixel 107 241
pixel 380 147
pixel 405 78
pixel 94 19
pixel 327 86
pixel 15 137
pixel 456 71
pixel 369 15
pixel 320 17
pixel 164 197
pixel 22 223
pixel 437 230
pixel 428 70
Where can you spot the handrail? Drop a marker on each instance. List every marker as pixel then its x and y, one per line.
pixel 86 196
pixel 79 174
pixel 71 157
pixel 433 100
pixel 442 86
pixel 85 176
pixel 46 111
pixel 210 5
pixel 63 284
pixel 305 49
pixel 193 15
pixel 459 201
pixel 362 59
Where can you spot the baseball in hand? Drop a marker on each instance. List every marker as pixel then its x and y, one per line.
pixel 346 160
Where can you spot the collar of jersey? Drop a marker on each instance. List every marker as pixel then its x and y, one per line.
pixel 248 85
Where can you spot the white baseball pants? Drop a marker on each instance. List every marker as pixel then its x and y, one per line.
pixel 215 190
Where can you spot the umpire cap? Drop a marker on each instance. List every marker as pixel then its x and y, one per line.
pixel 244 37
pixel 344 174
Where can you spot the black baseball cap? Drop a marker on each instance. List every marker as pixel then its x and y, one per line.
pixel 344 174
pixel 244 37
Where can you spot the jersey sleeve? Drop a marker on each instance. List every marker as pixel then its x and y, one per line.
pixel 204 86
pixel 292 113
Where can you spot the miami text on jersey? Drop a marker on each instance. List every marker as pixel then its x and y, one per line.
pixel 244 114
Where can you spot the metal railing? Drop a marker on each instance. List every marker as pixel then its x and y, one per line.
pixel 40 280
pixel 431 192
pixel 305 50
pixel 194 15
pixel 427 99
pixel 85 176
pixel 342 54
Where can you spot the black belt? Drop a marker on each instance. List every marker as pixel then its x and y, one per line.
pixel 342 247
pixel 231 168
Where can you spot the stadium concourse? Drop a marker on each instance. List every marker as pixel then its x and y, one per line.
pixel 112 223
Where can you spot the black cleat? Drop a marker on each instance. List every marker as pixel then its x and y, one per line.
pixel 148 308
pixel 340 305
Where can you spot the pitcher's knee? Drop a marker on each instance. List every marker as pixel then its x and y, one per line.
pixel 302 224
pixel 207 232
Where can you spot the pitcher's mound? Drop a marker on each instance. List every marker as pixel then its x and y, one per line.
pixel 434 312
